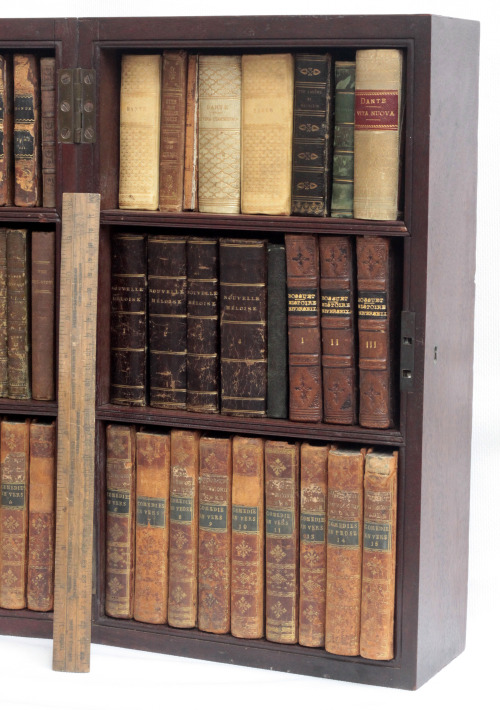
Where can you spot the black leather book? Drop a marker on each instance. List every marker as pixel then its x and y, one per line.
pixel 277 335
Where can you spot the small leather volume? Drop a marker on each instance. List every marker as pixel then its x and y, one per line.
pixel 343 141
pixel 42 315
pixel 18 300
pixel 27 162
pixel 48 95
pixel 4 374
pixel 191 140
pixel 277 333
pixel 6 132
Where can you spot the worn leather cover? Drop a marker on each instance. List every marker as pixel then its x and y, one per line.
pixel 172 130
pixel 379 557
pixel 41 535
pixel 42 315
pixel 14 460
pixel 338 333
pixel 191 138
pixel 120 520
pixel 27 162
pixel 4 374
pixel 183 554
pixel 152 527
pixel 128 319
pixel 304 338
pixel 18 318
pixel 344 550
pixel 6 132
pixel 343 141
pixel 282 463
pixel 167 311
pixel 277 333
pixel 247 546
pixel 48 100
pixel 312 580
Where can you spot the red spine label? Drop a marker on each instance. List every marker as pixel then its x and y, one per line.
pixel 377 110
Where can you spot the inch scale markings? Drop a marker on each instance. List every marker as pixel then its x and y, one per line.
pixel 76 432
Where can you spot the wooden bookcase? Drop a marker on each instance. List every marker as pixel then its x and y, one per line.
pixel 436 240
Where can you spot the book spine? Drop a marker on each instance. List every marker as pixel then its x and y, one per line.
pixel 243 328
pixel 128 319
pixel 343 141
pixel 4 373
pixel 379 557
pixel 312 134
pixel 344 551
pixel 304 337
pixel 48 98
pixel 18 341
pixel 191 140
pixel 312 548
pixel 183 555
pixel 282 462
pixel 42 314
pixel 338 335
pixel 167 303
pixel 41 535
pixel 6 132
pixel 219 134
pixel 14 460
pixel 152 527
pixel 120 520
pixel 173 130
pixel 140 107
pixel 277 335
pixel 266 133
pixel 214 561
pixel 247 546
pixel 202 325
pixel 26 131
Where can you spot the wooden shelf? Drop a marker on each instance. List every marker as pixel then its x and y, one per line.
pixel 42 215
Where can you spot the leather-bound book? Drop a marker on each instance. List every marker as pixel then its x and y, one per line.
pixel 214 560
pixel 42 315
pixel 27 159
pixel 312 579
pixel 14 467
pixel 151 527
pixel 343 141
pixel 4 373
pixel 172 130
pixel 344 550
pixel 243 328
pixel 183 538
pixel 6 132
pixel 140 105
pixel 18 301
pixel 277 333
pixel 247 546
pixel 41 534
pixel 338 332
pixel 167 311
pixel 282 462
pixel 190 199
pixel 48 96
pixel 304 337
pixel 128 319
pixel 202 324
pixel 120 520
pixel 379 557
pixel 377 128
pixel 312 135
pixel 266 133
pixel 219 133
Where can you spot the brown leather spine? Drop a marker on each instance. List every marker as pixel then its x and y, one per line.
pixel 202 325
pixel 4 373
pixel 48 97
pixel 191 139
pixel 14 460
pixel 214 562
pixel 304 338
pixel 312 579
pixel 183 556
pixel 172 130
pixel 247 546
pixel 338 336
pixel 26 131
pixel 42 315
pixel 344 551
pixel 282 461
pixel 18 340
pixel 151 529
pixel 120 520
pixel 41 535
pixel 379 557
pixel 6 132
pixel 167 302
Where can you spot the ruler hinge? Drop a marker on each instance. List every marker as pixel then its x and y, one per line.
pixel 76 106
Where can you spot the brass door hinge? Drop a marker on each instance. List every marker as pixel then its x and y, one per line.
pixel 76 106
pixel 407 360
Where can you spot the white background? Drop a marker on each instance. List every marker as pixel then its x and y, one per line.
pixel 127 679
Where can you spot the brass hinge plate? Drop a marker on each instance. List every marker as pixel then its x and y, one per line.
pixel 76 106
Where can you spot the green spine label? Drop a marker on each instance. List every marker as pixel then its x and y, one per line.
pixel 13 495
pixel 312 527
pixel 213 516
pixel 343 533
pixel 303 301
pixel 377 536
pixel 118 502
pixel 245 519
pixel 279 522
pixel 151 511
pixel 181 509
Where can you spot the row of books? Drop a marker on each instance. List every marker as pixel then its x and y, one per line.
pixel 253 537
pixel 27 514
pixel 27 282
pixel 27 131
pixel 253 133
pixel 289 328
